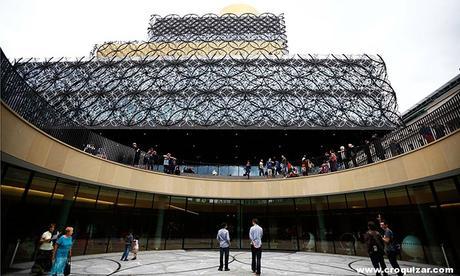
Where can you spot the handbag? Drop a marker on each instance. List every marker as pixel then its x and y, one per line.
pixel 67 267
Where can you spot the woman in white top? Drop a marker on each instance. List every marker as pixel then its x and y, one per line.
pixel 135 248
pixel 43 260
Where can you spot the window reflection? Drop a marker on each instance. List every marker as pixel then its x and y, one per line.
pixel 41 189
pixel 420 194
pixel 446 191
pixel 397 196
pixel 375 199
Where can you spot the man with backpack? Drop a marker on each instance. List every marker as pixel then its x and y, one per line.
pixel 375 249
pixel 392 248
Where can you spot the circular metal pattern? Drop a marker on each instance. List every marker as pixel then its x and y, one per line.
pixel 228 71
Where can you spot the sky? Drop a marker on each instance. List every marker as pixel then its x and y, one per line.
pixel 419 40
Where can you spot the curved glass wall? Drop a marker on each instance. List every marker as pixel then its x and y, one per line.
pixel 424 217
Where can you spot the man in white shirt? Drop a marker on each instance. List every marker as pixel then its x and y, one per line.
pixel 255 235
pixel 43 261
pixel 223 237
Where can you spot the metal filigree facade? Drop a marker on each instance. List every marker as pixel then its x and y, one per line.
pixel 222 72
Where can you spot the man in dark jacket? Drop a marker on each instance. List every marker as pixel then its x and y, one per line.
pixel 379 150
pixel 128 242
pixel 375 247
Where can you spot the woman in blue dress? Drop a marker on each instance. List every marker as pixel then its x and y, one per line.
pixel 62 250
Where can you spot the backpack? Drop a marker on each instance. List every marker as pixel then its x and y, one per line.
pixel 374 243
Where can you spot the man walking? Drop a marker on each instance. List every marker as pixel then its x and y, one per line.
pixel 255 235
pixel 374 244
pixel 223 237
pixel 128 243
pixel 391 247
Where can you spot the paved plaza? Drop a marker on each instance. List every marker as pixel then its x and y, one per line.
pixel 200 262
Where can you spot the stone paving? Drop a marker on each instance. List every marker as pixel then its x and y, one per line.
pixel 201 262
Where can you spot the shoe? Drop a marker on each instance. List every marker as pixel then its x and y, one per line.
pixel 133 258
pixel 220 269
pixel 227 269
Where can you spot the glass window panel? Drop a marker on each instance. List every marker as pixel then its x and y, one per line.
pixel 224 170
pixel 213 168
pixel 203 170
pixel 303 204
pixel 233 171
pixel 158 229
pixel 282 226
pixel 446 191
pixel 319 203
pixel 65 192
pixel 375 199
pixel 420 194
pixel 161 202
pixel 356 200
pixel 62 201
pixel 397 196
pixel 41 189
pixel 107 197
pixel 126 198
pixel 87 195
pixel 14 184
pixel 144 200
pixel 175 222
pixel 198 223
pixel 337 202
pixel 228 211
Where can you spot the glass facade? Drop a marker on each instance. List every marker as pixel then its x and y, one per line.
pixel 424 217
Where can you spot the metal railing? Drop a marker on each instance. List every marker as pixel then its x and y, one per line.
pixel 60 124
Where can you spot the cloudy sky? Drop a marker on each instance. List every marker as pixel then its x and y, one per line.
pixel 418 39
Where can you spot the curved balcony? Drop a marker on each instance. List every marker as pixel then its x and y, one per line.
pixel 24 144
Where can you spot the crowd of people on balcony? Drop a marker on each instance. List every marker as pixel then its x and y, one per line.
pixel 345 157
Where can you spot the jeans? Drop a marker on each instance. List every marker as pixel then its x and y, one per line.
pixel 256 256
pixel 226 251
pixel 393 261
pixel 378 262
pixel 126 252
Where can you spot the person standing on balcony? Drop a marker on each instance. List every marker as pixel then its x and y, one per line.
pixel 247 169
pixel 255 235
pixel 304 166
pixel 367 151
pixel 342 155
pixel 332 161
pixel 137 155
pixel 269 166
pixel 284 165
pixel 351 152
pixel 261 167
pixel 223 237
pixel 277 168
pixel 379 150
pixel 155 159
